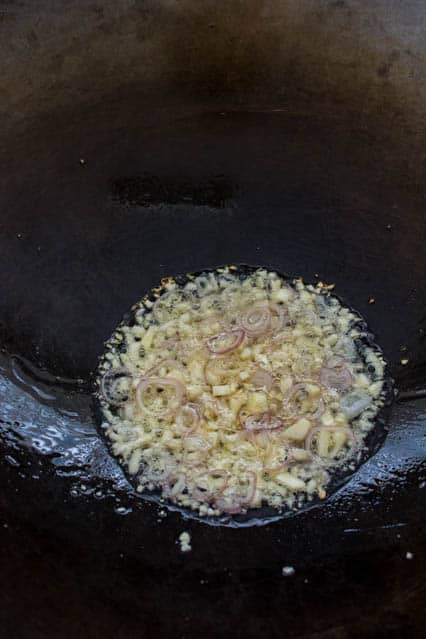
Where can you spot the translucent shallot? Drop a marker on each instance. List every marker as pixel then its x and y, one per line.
pixel 154 387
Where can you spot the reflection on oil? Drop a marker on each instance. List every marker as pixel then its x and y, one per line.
pixel 53 418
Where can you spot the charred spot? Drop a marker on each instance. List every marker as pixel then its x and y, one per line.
pixel 149 190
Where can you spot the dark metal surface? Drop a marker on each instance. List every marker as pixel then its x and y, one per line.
pixel 145 139
pixel 264 514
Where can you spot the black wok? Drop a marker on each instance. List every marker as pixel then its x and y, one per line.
pixel 143 139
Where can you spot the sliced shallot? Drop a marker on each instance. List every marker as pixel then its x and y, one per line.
pixel 232 501
pixel 338 430
pixel 281 337
pixel 210 484
pixel 335 374
pixel 160 384
pixel 219 370
pixel 196 450
pixel 187 419
pixel 262 379
pixel 110 386
pixel 167 364
pixel 353 404
pixel 225 342
pixel 174 484
pixel 260 422
pixel 243 413
pixel 256 320
pixel 262 318
pixel 160 474
pixel 277 316
pixel 293 404
pixel 335 361
pixel 294 456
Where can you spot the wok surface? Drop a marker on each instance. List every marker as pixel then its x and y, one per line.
pixel 146 139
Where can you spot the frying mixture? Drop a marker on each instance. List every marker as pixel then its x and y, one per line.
pixel 228 390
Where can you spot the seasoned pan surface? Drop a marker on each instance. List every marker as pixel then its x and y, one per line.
pixel 143 140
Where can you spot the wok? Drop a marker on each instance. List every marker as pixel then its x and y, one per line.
pixel 145 139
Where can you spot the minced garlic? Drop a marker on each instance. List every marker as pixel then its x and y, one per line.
pixel 185 542
pixel 233 390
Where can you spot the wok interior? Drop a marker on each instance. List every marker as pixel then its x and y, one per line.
pixel 141 140
pixel 313 144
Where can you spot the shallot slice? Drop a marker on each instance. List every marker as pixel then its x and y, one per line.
pixel 229 505
pixel 225 342
pixel 243 414
pixel 278 316
pixel 289 402
pixel 260 422
pixel 262 379
pixel 189 412
pixel 335 374
pixel 353 404
pixel 174 484
pixel 330 429
pixel 251 488
pixel 203 482
pixel 290 460
pixel 110 386
pixel 196 450
pixel 219 370
pixel 234 503
pixel 256 320
pixel 160 475
pixel 170 364
pixel 160 383
pixel 274 470
pixel 335 361
pixel 281 336
pixel 262 318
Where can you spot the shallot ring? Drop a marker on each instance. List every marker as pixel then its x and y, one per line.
pixel 160 382
pixel 238 334
pixel 271 422
pixel 194 410
pixel 333 429
pixel 103 390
